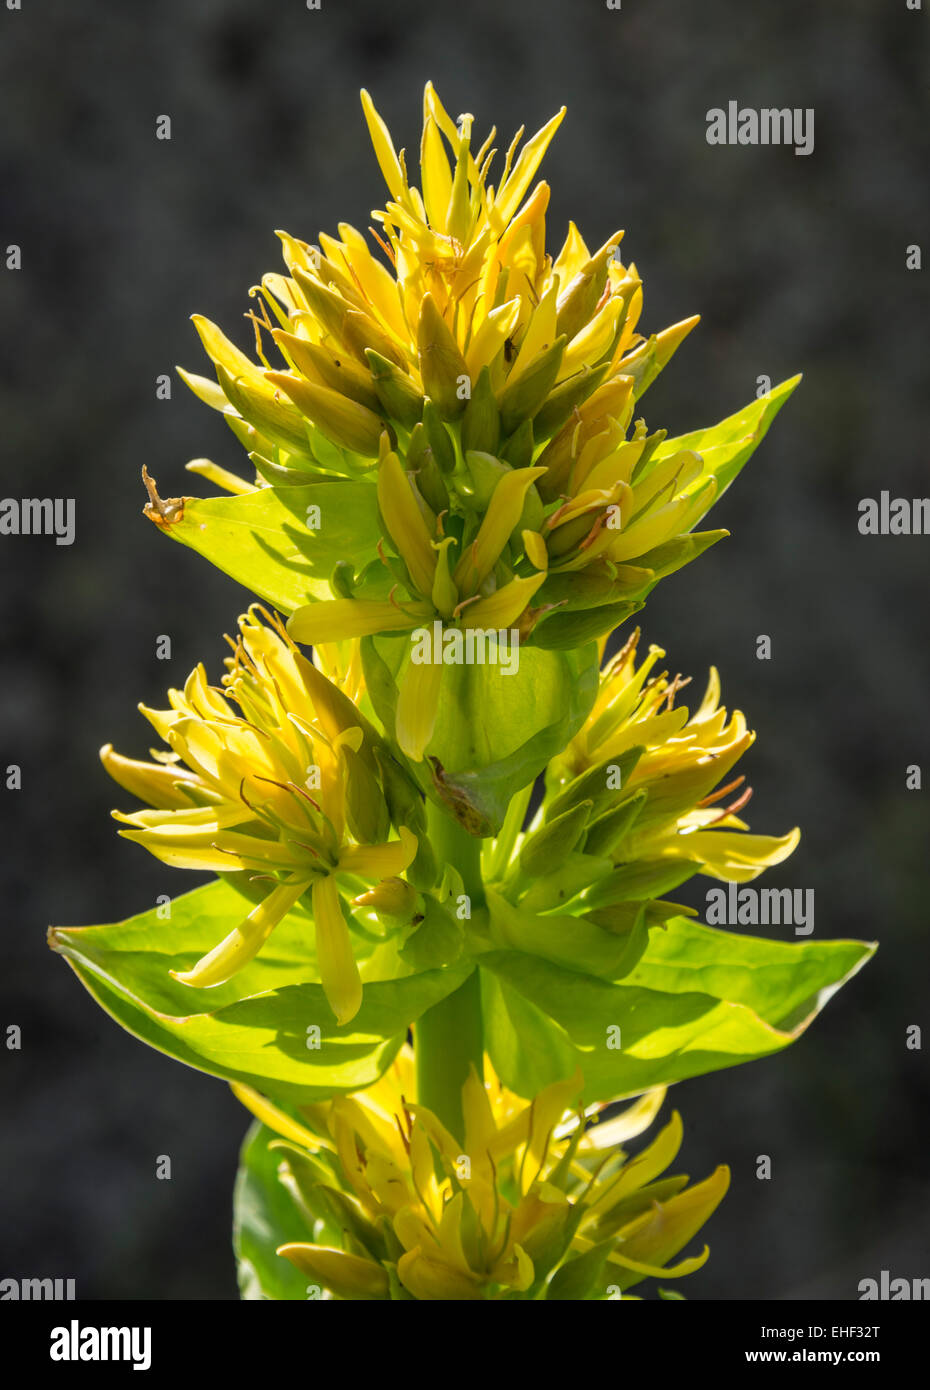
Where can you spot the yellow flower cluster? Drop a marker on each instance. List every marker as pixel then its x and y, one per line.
pixel 495 386
pixel 538 1202
pixel 640 786
pixel 274 776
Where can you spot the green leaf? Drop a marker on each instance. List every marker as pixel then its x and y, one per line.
pixel 255 1028
pixel 781 981
pixel 581 1276
pixel 264 1217
pixel 528 1049
pixel 261 539
pixel 726 447
pixel 544 1019
pixel 550 891
pixel 569 941
pixel 494 733
pixel 141 951
pixel 437 940
pixel 675 554
pixel 561 631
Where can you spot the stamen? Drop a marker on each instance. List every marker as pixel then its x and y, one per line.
pixel 724 791
pixel 388 250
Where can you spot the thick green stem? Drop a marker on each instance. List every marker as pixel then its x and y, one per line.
pixel 449 1038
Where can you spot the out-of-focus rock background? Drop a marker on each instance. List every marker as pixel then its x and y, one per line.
pixel 797 264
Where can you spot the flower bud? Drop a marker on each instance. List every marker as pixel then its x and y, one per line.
pixel 392 899
pixel 345 422
pixel 485 472
pixel 349 1276
pixel 481 423
pixel 438 437
pixel 366 809
pixel 579 299
pixel 400 400
pixel 442 365
pixel 421 461
pixel 324 368
pixel 521 401
pixel 518 451
pixel 572 392
pixel 546 849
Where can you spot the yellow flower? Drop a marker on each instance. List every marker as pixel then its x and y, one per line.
pixel 468 599
pixel 272 776
pixel 507 1212
pixel 474 366
pixel 643 785
pixel 469 287
pixel 487 389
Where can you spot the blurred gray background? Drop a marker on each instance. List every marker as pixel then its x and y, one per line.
pixel 796 264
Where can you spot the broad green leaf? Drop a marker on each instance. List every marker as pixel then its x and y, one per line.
pixel 262 1037
pixel 783 982
pixel 149 946
pixel 264 1217
pixel 262 538
pixel 545 1019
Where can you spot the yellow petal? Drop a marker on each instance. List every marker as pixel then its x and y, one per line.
pixel 347 1276
pixel 633 1121
pixel 277 1119
pixel 573 255
pixel 540 334
pixel 243 943
pixel 504 606
pixel 436 174
pixel 404 521
pixel 204 389
pixel 335 958
pixel 535 547
pixel 225 354
pixel 512 190
pixel 417 702
pixel 736 857
pixel 220 477
pixel 674 519
pixel 547 1110
pixel 384 148
pixel 380 861
pixel 503 513
pixel 588 347
pixel 334 619
pixel 432 1281
pixel 214 851
pixel 643 1169
pixel 491 336
pixel 150 782
pixel 688 1266
pixel 434 107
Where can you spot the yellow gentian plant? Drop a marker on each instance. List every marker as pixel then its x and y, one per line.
pixel 450 1006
